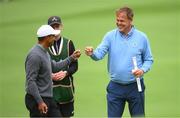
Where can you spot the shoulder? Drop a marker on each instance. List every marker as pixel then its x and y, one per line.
pixel 33 59
pixel 112 32
pixel 140 33
pixel 34 53
pixel 33 56
pixel 67 40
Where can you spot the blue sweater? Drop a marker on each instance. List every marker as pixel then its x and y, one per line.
pixel 121 48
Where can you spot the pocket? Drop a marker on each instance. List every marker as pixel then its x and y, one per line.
pixel 143 85
pixel 107 88
pixel 63 94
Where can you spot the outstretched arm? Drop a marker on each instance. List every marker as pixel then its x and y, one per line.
pixel 59 65
pixel 73 67
pixel 100 51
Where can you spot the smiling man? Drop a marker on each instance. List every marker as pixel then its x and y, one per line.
pixel 122 44
pixel 38 66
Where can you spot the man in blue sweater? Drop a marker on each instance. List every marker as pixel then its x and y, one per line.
pixel 122 44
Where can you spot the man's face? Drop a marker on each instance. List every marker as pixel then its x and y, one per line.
pixel 57 27
pixel 123 23
pixel 50 40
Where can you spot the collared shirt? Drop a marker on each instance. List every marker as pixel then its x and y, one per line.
pixel 121 49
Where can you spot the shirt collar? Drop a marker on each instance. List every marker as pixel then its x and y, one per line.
pixel 129 33
pixel 39 45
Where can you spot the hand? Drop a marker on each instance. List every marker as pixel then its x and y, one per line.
pixel 137 72
pixel 76 54
pixel 59 75
pixel 43 108
pixel 89 50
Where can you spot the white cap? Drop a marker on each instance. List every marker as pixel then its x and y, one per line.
pixel 46 30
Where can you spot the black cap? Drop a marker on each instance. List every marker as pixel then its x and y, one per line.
pixel 54 20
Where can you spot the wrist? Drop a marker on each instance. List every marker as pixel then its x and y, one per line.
pixel 40 103
pixel 144 71
pixel 66 73
pixel 71 59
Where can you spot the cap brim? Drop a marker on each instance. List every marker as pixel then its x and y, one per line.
pixel 56 32
pixel 54 23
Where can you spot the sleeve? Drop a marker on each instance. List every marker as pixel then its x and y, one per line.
pixel 73 67
pixel 62 63
pixel 32 67
pixel 102 49
pixel 147 56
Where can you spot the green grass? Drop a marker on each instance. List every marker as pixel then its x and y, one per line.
pixel 86 22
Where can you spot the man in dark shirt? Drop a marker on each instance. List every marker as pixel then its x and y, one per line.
pixel 63 87
pixel 38 67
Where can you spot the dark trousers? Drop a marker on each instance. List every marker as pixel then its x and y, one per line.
pixel 67 110
pixel 32 106
pixel 118 95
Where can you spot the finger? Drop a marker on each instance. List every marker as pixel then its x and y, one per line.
pixel 45 109
pixel 86 51
pixel 88 48
pixel 77 51
pixel 136 73
pixel 62 77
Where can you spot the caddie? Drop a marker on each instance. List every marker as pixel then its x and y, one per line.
pixel 63 86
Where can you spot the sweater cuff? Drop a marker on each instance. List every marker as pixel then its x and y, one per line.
pixel 93 56
pixel 39 99
pixel 70 59
pixel 145 70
